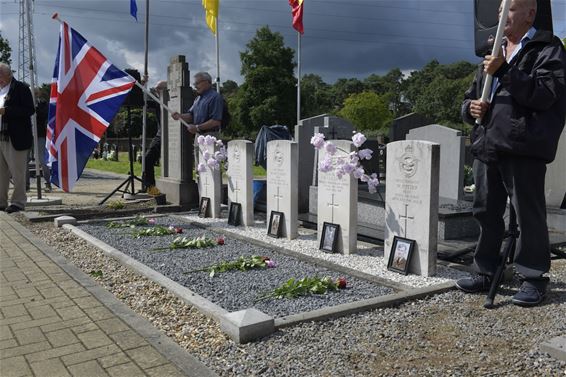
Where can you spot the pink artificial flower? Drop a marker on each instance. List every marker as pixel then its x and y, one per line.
pixel 365 154
pixel 349 168
pixel 151 221
pixel 270 264
pixel 364 178
pixel 339 173
pixel 206 155
pixel 219 156
pixel 325 165
pixel 219 143
pixel 359 173
pixel 209 140
pixel 330 148
pixel 200 140
pixel 178 230
pixel 201 168
pixel 213 164
pixel 318 140
pixel 359 139
pixel 354 159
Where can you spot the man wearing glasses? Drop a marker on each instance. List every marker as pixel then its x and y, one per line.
pixel 205 116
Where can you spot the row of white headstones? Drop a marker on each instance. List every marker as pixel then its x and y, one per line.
pixel 411 201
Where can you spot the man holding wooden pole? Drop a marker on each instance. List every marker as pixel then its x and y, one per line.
pixel 517 124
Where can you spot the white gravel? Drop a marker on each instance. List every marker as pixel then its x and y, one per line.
pixel 367 259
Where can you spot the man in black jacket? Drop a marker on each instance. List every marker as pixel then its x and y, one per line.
pixel 16 108
pixel 518 135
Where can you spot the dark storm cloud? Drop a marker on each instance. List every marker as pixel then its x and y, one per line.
pixel 348 38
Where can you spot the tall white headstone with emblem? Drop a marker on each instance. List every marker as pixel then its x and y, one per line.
pixel 240 155
pixel 411 200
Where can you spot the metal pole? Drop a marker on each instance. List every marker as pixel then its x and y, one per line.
pixel 217 56
pixel 33 118
pixel 298 77
pixel 145 75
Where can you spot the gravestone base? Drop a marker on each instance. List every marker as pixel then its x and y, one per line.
pixel 183 194
pixel 455 220
pixel 247 325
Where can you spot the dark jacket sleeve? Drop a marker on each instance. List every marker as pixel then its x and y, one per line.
pixel 21 103
pixel 471 94
pixel 545 83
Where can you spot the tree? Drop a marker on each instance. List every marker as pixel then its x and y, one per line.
pixel 344 88
pixel 229 88
pixel 5 51
pixel 267 95
pixel 315 96
pixel 389 87
pixel 366 111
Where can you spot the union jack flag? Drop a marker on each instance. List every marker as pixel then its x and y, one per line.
pixel 86 93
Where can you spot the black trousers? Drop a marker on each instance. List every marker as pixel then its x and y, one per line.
pixel 522 180
pixel 151 157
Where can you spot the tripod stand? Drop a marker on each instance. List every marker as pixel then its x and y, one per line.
pixel 129 182
pixel 506 257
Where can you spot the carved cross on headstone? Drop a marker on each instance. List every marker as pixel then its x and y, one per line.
pixel 406 217
pixel 236 190
pixel 332 133
pixel 205 184
pixel 277 196
pixel 332 205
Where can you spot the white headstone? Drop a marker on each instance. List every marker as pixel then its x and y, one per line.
pixel 282 184
pixel 240 158
pixel 451 157
pixel 411 200
pixel 555 185
pixel 210 180
pixel 338 200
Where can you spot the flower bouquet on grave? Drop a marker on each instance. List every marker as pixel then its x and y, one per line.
pixel 136 221
pixel 192 243
pixel 305 286
pixel 241 264
pixel 158 230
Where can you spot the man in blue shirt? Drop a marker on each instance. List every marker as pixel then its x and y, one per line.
pixel 205 115
pixel 518 135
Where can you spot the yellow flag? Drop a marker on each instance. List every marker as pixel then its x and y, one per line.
pixel 211 8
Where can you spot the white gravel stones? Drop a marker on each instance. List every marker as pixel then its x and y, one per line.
pixel 368 258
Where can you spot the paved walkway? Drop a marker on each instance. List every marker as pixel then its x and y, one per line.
pixel 56 321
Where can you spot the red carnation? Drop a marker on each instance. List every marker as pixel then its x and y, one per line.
pixel 178 230
pixel 220 240
pixel 341 282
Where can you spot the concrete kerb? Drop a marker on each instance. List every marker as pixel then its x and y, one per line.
pixel 555 347
pixel 186 362
pixel 221 316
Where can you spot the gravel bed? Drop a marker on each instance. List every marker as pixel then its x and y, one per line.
pixel 368 258
pixel 234 290
pixel 449 334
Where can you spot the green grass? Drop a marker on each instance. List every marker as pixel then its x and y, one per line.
pixel 123 166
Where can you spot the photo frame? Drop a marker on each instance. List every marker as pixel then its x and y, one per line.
pixel 276 221
pixel 234 215
pixel 329 237
pixel 400 256
pixel 203 207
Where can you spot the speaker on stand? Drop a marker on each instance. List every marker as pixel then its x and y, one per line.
pixel 134 99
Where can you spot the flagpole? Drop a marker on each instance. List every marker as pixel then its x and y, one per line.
pixel 145 76
pixel 486 91
pixel 217 56
pixel 298 77
pixel 34 117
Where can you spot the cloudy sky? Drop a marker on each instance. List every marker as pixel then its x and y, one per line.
pixel 347 38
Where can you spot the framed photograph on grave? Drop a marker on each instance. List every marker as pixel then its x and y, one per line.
pixel 235 214
pixel 400 256
pixel 203 208
pixel 329 237
pixel 275 224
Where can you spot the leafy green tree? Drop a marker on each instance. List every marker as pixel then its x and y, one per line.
pixel 267 95
pixel 5 51
pixel 366 111
pixel 315 96
pixel 229 88
pixel 389 87
pixel 344 88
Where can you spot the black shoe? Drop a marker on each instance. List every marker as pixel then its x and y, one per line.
pixel 531 293
pixel 2 208
pixel 12 209
pixel 474 284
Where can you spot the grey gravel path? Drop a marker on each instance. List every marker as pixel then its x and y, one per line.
pixel 447 334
